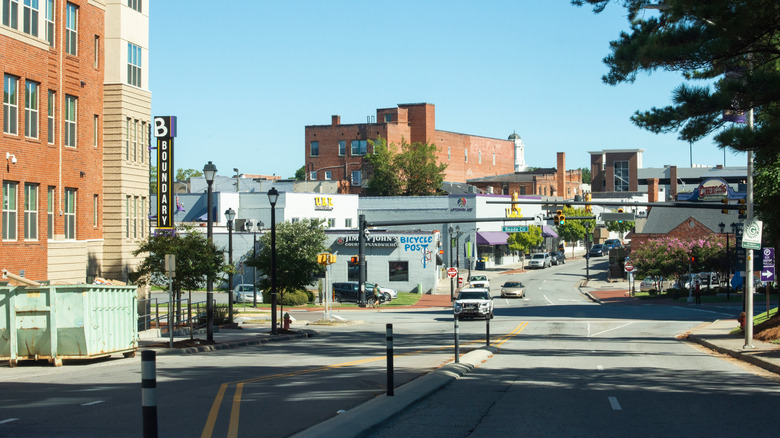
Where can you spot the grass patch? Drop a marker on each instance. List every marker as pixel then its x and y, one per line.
pixel 761 317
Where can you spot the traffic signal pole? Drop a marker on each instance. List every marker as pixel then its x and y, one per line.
pixel 362 258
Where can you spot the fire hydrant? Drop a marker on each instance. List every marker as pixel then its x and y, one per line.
pixel 287 321
pixel 741 320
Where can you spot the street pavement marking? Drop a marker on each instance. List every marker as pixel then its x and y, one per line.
pixel 548 300
pixel 599 367
pixel 613 328
pixel 208 429
pixel 615 405
pixel 9 420
pixel 92 403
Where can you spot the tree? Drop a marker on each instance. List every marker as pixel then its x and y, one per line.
pixel 523 242
pixel 620 227
pixel 196 260
pixel 300 174
pixel 152 179
pixel 586 178
pixel 671 256
pixel 732 45
pixel 574 230
pixel 412 171
pixel 185 174
pixel 297 246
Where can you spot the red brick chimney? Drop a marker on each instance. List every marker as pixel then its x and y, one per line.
pixel 673 182
pixel 652 191
pixel 335 120
pixel 561 175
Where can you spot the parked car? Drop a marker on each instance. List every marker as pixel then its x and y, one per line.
pixel 684 282
pixel 513 289
pixel 390 294
pixel 479 281
pixel 597 250
pixel 554 258
pixel 651 283
pixel 473 302
pixel 709 278
pixel 561 257
pixel 612 243
pixel 540 260
pixel 245 293
pixel 346 292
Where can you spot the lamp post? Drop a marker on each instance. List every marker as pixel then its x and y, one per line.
pixel 230 214
pixel 587 251
pixel 273 196
pixel 722 227
pixel 457 250
pixel 209 172
pixel 452 279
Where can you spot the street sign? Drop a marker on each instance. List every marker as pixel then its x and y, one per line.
pixel 452 272
pixel 520 229
pixel 628 267
pixel 611 217
pixel 751 237
pixel 768 272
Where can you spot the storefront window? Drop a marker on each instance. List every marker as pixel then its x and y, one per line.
pixel 399 271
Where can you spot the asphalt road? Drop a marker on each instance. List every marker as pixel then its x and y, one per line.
pixel 565 365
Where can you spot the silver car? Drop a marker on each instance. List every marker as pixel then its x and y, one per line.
pixel 513 289
pixel 540 260
pixel 245 293
pixel 390 294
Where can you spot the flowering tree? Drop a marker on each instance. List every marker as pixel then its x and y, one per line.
pixel 670 256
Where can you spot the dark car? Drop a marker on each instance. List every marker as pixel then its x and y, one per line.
pixel 346 292
pixel 612 243
pixel 597 250
pixel 554 258
pixel 561 258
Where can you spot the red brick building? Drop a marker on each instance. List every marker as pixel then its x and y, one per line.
pixel 615 170
pixel 336 151
pixel 541 181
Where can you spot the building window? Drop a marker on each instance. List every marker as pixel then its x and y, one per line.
pixel 70 214
pixel 31 109
pixel 50 213
pixel 315 149
pixel 49 17
pixel 71 29
pixel 449 153
pixel 141 144
pixel 127 139
pixel 133 65
pixel 142 217
pixel 50 125
pixel 71 106
pixel 135 217
pixel 357 177
pixel 135 5
pixel 10 105
pixel 134 146
pixel 522 190
pixel 96 60
pixel 348 223
pixel 328 175
pixel 30 212
pixel 359 147
pixel 11 13
pixel 621 176
pixel 494 158
pixel 479 158
pixel 9 210
pixel 342 148
pixel 95 210
pixel 313 175
pixel 127 217
pixel 331 222
pixel 95 123
pixel 30 17
pixel 399 271
pixel 388 118
pixel 466 154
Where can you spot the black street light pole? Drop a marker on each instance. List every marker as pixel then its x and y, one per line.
pixel 587 251
pixel 230 214
pixel 722 227
pixel 452 279
pixel 273 196
pixel 209 172
pixel 457 250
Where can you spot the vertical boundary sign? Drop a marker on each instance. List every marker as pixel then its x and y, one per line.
pixel 165 131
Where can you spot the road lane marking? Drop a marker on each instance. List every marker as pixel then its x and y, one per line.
pixel 599 367
pixel 615 405
pixel 92 403
pixel 613 328
pixel 9 420
pixel 705 311
pixel 208 429
pixel 548 300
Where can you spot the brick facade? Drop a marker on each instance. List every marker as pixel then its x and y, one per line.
pixel 602 169
pixel 684 231
pixel 466 156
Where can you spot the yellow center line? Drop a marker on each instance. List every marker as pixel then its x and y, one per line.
pixel 208 429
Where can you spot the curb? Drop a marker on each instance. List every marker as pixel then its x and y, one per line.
pixel 232 344
pixel 748 356
pixel 587 294
pixel 362 418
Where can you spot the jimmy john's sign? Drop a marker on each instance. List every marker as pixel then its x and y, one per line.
pixel 165 131
pixel 372 240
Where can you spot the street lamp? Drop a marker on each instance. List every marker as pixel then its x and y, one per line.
pixel 230 214
pixel 209 172
pixel 273 196
pixel 587 250
pixel 452 279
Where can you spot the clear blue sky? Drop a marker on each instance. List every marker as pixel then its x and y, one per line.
pixel 244 78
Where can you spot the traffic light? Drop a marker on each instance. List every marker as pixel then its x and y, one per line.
pixel 693 259
pixel 353 260
pixel 557 217
pixel 620 210
pixel 742 209
pixel 562 220
pixel 322 259
pixel 588 207
pixel 725 201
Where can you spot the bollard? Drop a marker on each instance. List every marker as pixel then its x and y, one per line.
pixel 390 383
pixel 149 393
pixel 457 346
pixel 487 330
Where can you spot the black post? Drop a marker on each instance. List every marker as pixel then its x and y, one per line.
pixel 149 393
pixel 728 269
pixel 230 274
pixel 457 340
pixel 274 330
pixel 452 279
pixel 487 330
pixel 254 270
pixel 210 279
pixel 362 258
pixel 390 383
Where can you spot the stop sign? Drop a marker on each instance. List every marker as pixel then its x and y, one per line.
pixel 628 267
pixel 452 272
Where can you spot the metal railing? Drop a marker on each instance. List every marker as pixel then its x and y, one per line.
pixel 191 316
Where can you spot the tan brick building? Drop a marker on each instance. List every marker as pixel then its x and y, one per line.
pixel 54 58
pixel 336 151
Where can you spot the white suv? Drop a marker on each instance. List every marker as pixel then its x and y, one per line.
pixel 479 281
pixel 540 260
pixel 473 301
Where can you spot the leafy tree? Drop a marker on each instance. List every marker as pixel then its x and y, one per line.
pixel 152 179
pixel 385 180
pixel 185 174
pixel 196 260
pixel 523 242
pixel 300 174
pixel 669 256
pixel 586 177
pixel 574 230
pixel 297 246
pixel 620 227
pixel 412 170
pixel 767 195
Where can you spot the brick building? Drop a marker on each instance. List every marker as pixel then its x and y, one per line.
pixel 542 181
pixel 336 151
pixel 56 59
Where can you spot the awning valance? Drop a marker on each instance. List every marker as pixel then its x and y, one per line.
pixel 548 232
pixel 492 238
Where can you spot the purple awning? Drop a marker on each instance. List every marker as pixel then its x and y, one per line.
pixel 548 232
pixel 492 238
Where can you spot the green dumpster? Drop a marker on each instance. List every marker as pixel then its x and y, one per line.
pixel 67 322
